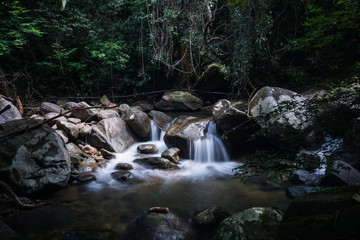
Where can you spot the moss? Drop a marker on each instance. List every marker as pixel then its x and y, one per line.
pixel 327 214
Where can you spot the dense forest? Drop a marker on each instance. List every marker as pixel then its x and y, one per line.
pixel 91 48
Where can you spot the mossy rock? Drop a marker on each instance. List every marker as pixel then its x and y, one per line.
pixel 328 214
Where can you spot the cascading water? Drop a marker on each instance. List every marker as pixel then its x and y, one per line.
pixel 210 149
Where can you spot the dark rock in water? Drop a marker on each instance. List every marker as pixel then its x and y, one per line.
pixel 185 129
pixel 10 114
pixel 106 154
pixel 156 226
pixel 123 166
pixel 179 101
pixel 33 160
pixel 147 148
pixel 112 134
pixel 255 223
pixel 122 175
pixel 161 120
pixel 210 218
pixel 330 214
pixel 298 191
pixel 172 154
pixel 86 177
pixel 6 233
pixel 138 121
pixel 156 163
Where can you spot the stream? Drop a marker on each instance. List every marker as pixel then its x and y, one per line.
pixel 102 209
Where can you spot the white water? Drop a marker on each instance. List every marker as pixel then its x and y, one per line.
pixel 208 160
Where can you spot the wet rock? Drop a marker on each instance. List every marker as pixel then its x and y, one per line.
pixel 85 113
pixel 7 233
pixel 51 115
pixel 35 159
pixel 47 107
pixel 330 214
pixel 112 134
pixel 108 113
pixel 254 223
pixel 86 177
pixel 157 226
pixel 172 154
pixel 210 218
pixel 123 166
pixel 71 130
pixel 106 154
pixel 147 148
pixel 269 99
pixel 144 106
pixel 122 175
pixel 179 101
pixel 183 130
pixel 10 114
pixel 160 119
pixel 301 190
pixel 155 163
pixel 138 121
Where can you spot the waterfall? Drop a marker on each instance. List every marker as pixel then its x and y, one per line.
pixel 209 149
pixel 155 132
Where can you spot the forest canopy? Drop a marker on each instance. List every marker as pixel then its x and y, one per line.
pixel 96 47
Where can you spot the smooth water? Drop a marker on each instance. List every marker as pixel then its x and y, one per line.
pixel 102 209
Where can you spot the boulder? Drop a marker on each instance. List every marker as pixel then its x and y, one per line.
pixel 147 148
pixel 33 160
pixel 340 173
pixel 86 177
pixel 122 108
pixel 107 113
pixel 70 129
pixel 255 223
pixel 138 121
pixel 84 112
pixel 123 166
pixel 112 134
pixel 228 117
pixel 330 214
pixel 156 226
pixel 144 106
pixel 106 154
pixel 172 154
pixel 160 119
pixel 291 107
pixel 179 101
pixel 51 115
pixel 183 130
pixel 210 218
pixel 122 175
pixel 69 105
pixel 47 107
pixel 155 163
pixel 10 114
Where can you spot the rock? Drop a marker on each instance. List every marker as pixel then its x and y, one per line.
pixel 341 173
pixel 210 218
pixel 147 148
pixel 157 226
pixel 93 152
pixel 86 177
pixel 123 166
pixel 138 121
pixel 228 117
pixel 144 105
pixel 108 113
pixel 255 223
pixel 183 130
pixel 112 134
pixel 122 175
pixel 7 233
pixel 87 165
pixel 63 135
pixel 330 214
pixel 37 117
pixel 298 191
pixel 51 115
pixel 33 160
pixel 303 176
pixel 178 101
pixel 269 99
pixel 161 120
pixel 71 130
pixel 105 101
pixel 47 107
pixel 85 131
pixel 73 149
pixel 155 163
pixel 86 115
pixel 172 154
pixel 123 108
pixel 10 114
pixel 69 105
pixel 74 120
pixel 106 154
